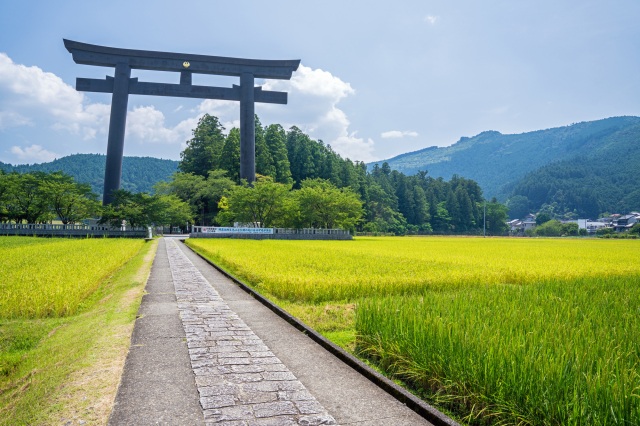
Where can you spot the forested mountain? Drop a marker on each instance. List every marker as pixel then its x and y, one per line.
pixel 139 174
pixel 601 179
pixel 386 200
pixel 580 170
pixel 497 162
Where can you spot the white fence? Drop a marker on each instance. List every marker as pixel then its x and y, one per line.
pixel 47 230
pixel 269 233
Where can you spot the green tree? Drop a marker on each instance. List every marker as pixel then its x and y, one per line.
pixel 441 221
pixel 465 220
pixel 453 208
pixel 518 206
pixel 262 204
pixel 322 205
pixel 604 232
pixel 542 218
pixel 303 154
pixel 134 209
pixel 26 199
pixel 230 157
pixel 570 229
pixel 4 192
pixel 421 207
pixel 214 188
pixel 203 151
pixel 380 211
pixel 264 162
pixel 551 228
pixel 405 199
pixel 275 138
pixel 142 209
pixel 171 211
pixel 496 218
pixel 69 200
pixel 202 195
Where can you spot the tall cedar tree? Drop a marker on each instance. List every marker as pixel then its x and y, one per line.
pixel 203 151
pixel 276 138
pixel 392 201
pixel 230 156
pixel 264 160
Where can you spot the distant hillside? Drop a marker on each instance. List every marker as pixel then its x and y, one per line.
pixel 603 178
pixel 139 174
pixel 498 162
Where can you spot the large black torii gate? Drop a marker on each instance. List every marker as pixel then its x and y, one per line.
pixel 121 85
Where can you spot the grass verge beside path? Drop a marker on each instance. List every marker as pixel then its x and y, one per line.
pixel 56 370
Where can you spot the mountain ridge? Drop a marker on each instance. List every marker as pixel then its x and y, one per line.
pixel 498 161
pixel 582 169
pixel 139 174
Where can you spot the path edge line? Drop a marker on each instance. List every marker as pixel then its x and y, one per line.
pixel 410 400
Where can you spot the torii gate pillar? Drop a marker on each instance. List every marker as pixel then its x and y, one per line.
pixel 121 85
pixel 247 128
pixel 117 125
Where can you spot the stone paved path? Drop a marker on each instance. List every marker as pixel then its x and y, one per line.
pixel 239 380
pixel 203 351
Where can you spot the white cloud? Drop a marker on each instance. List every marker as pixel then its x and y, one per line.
pixel 396 134
pixel 355 148
pixel 431 19
pixel 34 86
pixel 313 96
pixel 147 125
pixel 228 112
pixel 31 96
pixel 318 83
pixel 13 119
pixel 33 153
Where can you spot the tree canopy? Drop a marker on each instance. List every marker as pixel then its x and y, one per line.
pixel 302 183
pixel 39 197
pixel 312 185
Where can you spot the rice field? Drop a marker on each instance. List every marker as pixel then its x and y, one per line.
pixel 499 331
pixel 49 277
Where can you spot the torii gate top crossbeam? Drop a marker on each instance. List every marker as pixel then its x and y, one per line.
pixel 121 85
pixel 91 54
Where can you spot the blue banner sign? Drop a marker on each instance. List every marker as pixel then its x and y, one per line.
pixel 232 230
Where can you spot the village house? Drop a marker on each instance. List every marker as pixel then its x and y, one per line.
pixel 519 226
pixel 626 222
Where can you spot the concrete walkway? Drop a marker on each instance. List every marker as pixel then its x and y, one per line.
pixel 205 352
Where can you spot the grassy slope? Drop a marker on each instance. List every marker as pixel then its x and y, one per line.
pixel 69 368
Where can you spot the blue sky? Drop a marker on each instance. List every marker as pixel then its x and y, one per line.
pixel 377 79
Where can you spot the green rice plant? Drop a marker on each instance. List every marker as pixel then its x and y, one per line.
pixel 323 271
pixel 558 352
pixel 52 277
pixel 503 331
pixel 64 370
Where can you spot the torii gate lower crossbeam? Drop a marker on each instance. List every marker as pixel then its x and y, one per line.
pixel 121 85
